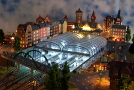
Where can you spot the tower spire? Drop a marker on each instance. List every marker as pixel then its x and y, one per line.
pixel 93 17
pixel 119 14
pixel 87 17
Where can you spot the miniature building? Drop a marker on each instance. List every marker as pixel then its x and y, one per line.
pixel 110 20
pixel 47 19
pixel 28 33
pixel 39 19
pixel 90 26
pixel 118 70
pixel 93 24
pixel 31 33
pixel 86 26
pixel 43 20
pixel 107 23
pixel 79 17
pixel 66 18
pixel 118 19
pixel 118 33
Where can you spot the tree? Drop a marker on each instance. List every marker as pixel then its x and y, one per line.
pixel 124 83
pixel 76 25
pixel 56 79
pixel 66 77
pixel 1 36
pixel 16 44
pixel 52 80
pixel 131 48
pixel 128 34
pixel 133 38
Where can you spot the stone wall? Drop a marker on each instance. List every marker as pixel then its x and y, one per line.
pixel 4 62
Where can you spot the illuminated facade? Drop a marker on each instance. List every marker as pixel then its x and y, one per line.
pixel 76 49
pixel 110 20
pixel 107 23
pixel 79 17
pixel 29 34
pixel 118 33
pixel 36 34
pixel 86 27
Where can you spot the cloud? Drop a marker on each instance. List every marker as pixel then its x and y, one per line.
pixel 15 12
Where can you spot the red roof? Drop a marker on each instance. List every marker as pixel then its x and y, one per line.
pixel 93 15
pixel 65 17
pixel 79 11
pixel 40 17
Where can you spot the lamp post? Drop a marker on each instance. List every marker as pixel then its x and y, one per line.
pixel 33 84
pixel 12 38
pixel 100 75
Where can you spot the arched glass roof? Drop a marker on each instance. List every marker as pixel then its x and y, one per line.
pixel 61 40
pixel 89 45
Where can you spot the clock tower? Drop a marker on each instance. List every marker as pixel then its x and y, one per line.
pixel 79 17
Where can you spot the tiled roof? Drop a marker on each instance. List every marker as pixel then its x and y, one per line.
pixel 121 67
pixel 49 24
pixel 79 11
pixel 126 70
pixel 119 26
pixel 24 26
pixel 35 27
pixel 65 17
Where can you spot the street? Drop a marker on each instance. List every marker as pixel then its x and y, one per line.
pixel 6 47
pixel 86 81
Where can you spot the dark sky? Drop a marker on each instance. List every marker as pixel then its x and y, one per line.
pixel 14 12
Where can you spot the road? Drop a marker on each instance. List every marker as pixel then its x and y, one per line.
pixel 6 47
pixel 86 81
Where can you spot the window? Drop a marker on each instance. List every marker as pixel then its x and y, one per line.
pixel 115 74
pixel 124 75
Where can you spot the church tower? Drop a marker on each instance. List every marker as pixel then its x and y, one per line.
pixel 93 17
pixel 88 18
pixel 79 17
pixel 118 19
pixel 66 18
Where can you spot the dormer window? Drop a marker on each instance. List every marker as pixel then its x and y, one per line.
pixel 124 75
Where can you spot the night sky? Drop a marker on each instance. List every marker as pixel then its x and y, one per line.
pixel 14 12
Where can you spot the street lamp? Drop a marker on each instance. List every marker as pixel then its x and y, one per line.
pixel 12 38
pixel 100 75
pixel 34 84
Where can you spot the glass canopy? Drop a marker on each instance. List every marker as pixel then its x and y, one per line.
pixel 88 45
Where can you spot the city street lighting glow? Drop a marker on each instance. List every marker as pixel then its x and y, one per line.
pixel 43 53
